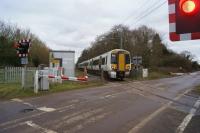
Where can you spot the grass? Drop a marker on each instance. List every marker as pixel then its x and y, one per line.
pixel 9 91
pixel 70 85
pixel 158 75
pixel 1 75
pixel 78 72
pixel 152 75
pixel 197 90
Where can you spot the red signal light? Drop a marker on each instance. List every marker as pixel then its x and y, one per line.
pixel 16 45
pixel 188 6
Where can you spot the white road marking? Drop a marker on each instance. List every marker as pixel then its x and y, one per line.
pixel 108 96
pixel 20 119
pixel 21 101
pixel 87 121
pixel 13 126
pixel 17 100
pixel 28 104
pixel 188 118
pixel 113 95
pixel 154 114
pixel 79 117
pixel 35 126
pixel 66 108
pixel 45 109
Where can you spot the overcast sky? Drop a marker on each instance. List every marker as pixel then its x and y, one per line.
pixel 74 24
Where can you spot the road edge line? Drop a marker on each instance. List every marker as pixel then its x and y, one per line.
pixel 155 113
pixel 188 117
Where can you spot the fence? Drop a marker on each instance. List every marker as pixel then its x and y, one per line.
pixel 2 76
pixel 29 77
pixel 14 75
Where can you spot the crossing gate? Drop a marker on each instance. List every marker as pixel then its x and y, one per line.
pixel 41 80
pixel 65 78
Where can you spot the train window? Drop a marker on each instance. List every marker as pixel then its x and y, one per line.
pixel 103 61
pixel 106 59
pixel 95 62
pixel 127 59
pixel 85 64
pixel 113 59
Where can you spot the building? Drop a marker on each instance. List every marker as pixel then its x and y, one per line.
pixel 64 59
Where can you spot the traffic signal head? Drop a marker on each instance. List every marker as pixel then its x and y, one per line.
pixel 189 7
pixel 184 19
pixel 22 47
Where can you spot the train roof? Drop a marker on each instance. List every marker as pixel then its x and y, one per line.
pixel 111 51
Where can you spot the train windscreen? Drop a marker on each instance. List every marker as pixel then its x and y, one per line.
pixel 113 59
pixel 127 59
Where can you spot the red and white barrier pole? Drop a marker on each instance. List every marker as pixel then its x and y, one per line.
pixel 63 77
pixel 83 78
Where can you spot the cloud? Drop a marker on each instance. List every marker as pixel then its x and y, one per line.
pixel 74 24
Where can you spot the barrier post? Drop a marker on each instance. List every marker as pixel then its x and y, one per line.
pixel 85 72
pixel 36 82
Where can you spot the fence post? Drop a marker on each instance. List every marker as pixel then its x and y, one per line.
pixel 36 83
pixel 23 78
pixel 5 72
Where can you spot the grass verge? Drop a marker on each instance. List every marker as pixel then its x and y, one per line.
pixel 158 75
pixel 153 75
pixel 9 91
pixel 197 90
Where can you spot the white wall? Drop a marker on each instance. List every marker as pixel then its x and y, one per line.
pixel 68 61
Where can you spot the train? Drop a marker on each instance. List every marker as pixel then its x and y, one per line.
pixel 115 64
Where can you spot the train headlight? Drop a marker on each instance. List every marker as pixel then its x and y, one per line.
pixel 113 67
pixel 128 67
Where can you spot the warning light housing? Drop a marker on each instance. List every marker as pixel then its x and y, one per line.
pixel 189 7
pixel 22 47
pixel 184 19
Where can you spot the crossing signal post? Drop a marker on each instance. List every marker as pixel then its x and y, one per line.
pixel 184 19
pixel 22 47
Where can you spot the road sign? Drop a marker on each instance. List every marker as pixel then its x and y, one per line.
pixel 24 61
pixel 184 18
pixel 137 60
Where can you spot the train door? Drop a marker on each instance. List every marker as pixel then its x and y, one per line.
pixel 100 63
pixel 121 62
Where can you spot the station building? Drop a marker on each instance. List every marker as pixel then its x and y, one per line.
pixel 63 59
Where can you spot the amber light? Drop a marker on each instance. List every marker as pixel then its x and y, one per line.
pixel 188 6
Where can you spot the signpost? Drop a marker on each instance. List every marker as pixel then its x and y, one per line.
pixel 137 60
pixel 137 63
pixel 24 61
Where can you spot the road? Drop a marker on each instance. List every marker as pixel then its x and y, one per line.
pixel 156 106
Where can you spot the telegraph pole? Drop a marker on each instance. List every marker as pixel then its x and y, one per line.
pixel 121 39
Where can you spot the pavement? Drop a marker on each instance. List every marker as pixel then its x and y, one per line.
pixel 155 106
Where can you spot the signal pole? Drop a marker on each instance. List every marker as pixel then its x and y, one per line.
pixel 121 39
pixel 22 47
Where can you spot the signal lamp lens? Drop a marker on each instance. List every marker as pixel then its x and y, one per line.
pixel 188 6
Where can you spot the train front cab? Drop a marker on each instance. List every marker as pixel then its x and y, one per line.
pixel 120 64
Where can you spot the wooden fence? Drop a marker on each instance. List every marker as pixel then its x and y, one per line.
pixel 14 74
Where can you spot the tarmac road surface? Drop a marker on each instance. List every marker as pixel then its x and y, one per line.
pixel 156 106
